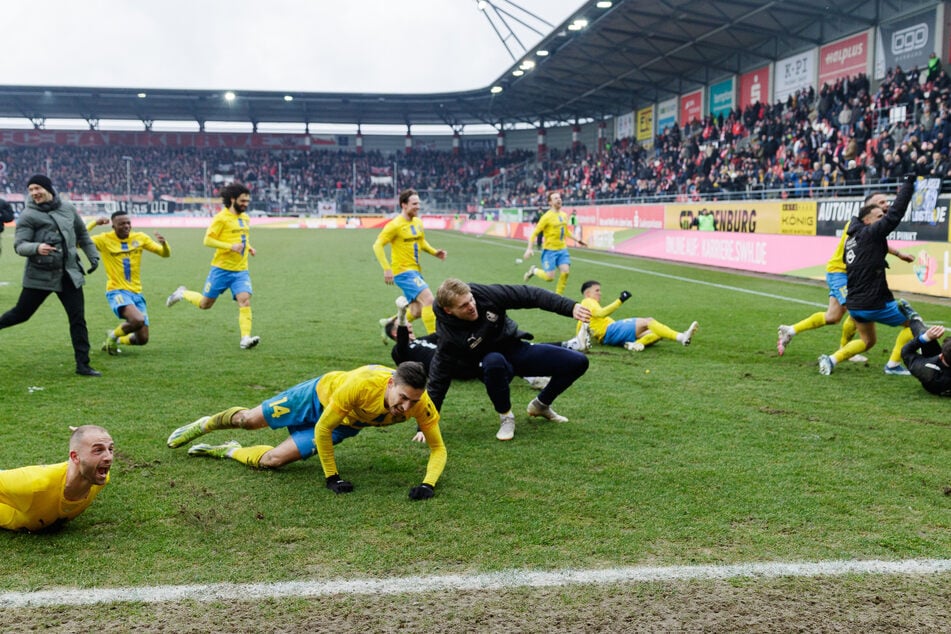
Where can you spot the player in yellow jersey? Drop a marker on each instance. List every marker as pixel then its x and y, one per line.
pixel 121 253
pixel 228 234
pixel 836 280
pixel 46 496
pixel 554 227
pixel 633 333
pixel 322 412
pixel 406 238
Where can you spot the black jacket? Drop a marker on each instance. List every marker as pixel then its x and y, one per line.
pixel 934 375
pixel 463 344
pixel 865 251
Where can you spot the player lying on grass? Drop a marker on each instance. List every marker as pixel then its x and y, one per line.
pixel 44 497
pixel 633 333
pixel 324 411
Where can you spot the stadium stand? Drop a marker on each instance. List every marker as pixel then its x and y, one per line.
pixel 840 141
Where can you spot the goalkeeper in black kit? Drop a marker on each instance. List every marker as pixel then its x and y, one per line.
pixel 927 360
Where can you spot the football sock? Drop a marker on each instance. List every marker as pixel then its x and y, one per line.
pixel 118 332
pixel 903 337
pixel 222 420
pixel 813 321
pixel 562 283
pixel 542 274
pixel 250 456
pixel 848 330
pixel 127 340
pixel 429 318
pixel 850 349
pixel 192 297
pixel 648 338
pixel 244 320
pixel 663 331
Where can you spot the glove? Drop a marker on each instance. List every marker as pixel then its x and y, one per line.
pixel 338 485
pixel 625 295
pixel 92 267
pixel 421 492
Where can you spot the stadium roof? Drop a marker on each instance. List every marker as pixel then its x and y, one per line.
pixel 629 55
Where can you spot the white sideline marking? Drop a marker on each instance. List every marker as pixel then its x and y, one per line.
pixel 678 278
pixel 488 581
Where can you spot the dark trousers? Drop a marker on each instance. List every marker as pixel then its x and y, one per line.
pixel 524 359
pixel 73 303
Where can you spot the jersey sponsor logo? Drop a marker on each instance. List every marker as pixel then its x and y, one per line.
pixel 493 317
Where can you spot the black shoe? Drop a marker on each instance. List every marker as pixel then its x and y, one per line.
pixel 85 370
pixel 915 322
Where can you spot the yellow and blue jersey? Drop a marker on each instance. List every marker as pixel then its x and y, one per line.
pixel 356 398
pixel 122 258
pixel 229 228
pixel 406 239
pixel 600 319
pixel 31 498
pixel 836 263
pixel 553 225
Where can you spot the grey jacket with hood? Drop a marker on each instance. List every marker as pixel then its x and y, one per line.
pixel 59 224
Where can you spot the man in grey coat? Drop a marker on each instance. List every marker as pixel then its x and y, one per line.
pixel 48 234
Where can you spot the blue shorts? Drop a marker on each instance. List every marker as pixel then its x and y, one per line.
pixel 298 409
pixel 411 283
pixel 890 315
pixel 221 280
pixel 620 332
pixel 837 283
pixel 551 260
pixel 119 299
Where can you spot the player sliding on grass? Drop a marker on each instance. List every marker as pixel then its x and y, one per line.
pixel 43 497
pixel 322 412
pixel 121 252
pixel 633 333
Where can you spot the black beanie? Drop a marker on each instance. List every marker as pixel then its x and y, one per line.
pixel 43 181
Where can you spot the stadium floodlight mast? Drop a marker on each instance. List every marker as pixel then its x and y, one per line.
pixel 503 14
pixel 128 183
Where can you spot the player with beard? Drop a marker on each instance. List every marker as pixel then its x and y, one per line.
pixel 228 234
pixel 43 497
pixel 121 252
pixel 321 412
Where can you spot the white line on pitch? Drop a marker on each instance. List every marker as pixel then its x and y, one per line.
pixel 488 581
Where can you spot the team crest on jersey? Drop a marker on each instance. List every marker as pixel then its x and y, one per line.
pixel 491 316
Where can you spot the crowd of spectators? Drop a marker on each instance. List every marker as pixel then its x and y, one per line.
pixel 840 141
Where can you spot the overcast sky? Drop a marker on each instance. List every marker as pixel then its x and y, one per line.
pixel 415 46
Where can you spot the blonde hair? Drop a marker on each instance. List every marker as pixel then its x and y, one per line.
pixel 449 290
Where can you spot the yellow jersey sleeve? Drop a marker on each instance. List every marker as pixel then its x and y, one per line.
pixel 357 398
